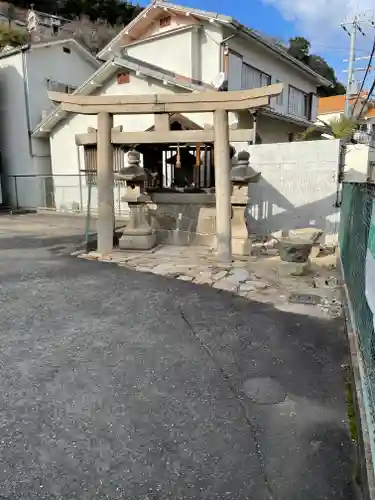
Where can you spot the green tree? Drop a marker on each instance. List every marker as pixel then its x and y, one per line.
pixel 299 48
pixel 339 128
pixel 12 36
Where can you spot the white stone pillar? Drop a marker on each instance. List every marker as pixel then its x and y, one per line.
pixel 222 185
pixel 105 183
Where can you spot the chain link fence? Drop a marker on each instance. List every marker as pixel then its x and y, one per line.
pixel 356 213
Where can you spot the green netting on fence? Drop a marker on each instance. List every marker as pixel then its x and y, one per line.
pixel 356 211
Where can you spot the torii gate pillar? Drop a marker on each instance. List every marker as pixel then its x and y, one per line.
pixel 105 184
pixel 223 186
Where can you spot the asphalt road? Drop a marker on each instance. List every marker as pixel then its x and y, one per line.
pixel 116 384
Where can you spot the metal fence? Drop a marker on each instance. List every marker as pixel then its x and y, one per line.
pixel 356 212
pixel 61 193
pixel 71 194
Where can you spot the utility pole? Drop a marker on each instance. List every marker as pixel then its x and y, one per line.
pixel 349 88
pixel 351 29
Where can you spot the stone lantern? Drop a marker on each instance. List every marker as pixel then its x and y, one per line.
pixel 138 234
pixel 241 175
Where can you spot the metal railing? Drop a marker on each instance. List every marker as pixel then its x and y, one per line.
pixel 63 193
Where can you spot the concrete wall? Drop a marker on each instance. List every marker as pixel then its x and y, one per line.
pixel 23 99
pixel 297 188
pixel 359 163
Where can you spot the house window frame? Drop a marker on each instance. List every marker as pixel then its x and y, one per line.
pixel 55 85
pixel 261 74
pixel 280 98
pixel 307 103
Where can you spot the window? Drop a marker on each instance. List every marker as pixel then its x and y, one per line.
pixel 252 78
pixel 280 97
pixel 299 103
pixel 165 21
pixel 91 164
pixel 60 87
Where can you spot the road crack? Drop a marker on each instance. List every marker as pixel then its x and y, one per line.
pixel 208 351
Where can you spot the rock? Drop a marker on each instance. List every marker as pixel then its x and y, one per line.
pixel 323 282
pixel 239 275
pixel 220 275
pixel 247 287
pixel 226 285
pixel 203 281
pixel 185 278
pixel 162 270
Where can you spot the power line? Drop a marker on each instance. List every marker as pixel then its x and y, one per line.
pixel 368 69
pixel 368 97
pixel 352 29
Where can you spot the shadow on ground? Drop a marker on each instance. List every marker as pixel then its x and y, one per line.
pixel 118 384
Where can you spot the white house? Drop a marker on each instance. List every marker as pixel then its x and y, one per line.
pixel 363 110
pixel 212 44
pixel 26 75
pixel 170 48
pixel 360 156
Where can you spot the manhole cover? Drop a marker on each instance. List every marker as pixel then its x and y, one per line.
pixel 304 298
pixel 264 391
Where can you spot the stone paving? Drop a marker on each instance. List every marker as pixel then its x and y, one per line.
pixel 260 277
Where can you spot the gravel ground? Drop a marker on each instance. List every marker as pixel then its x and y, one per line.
pixel 119 384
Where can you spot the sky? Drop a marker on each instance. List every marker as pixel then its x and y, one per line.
pixel 317 20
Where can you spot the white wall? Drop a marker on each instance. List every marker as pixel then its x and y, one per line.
pixel 53 63
pixel 23 74
pixel 297 188
pixel 357 160
pixel 194 53
pixel 162 52
pixel 14 140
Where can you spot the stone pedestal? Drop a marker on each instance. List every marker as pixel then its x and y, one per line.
pixel 138 234
pixel 241 175
pixel 241 242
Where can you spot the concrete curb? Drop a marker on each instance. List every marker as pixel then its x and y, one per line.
pixel 363 417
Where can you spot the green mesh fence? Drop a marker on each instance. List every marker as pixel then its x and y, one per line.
pixel 356 211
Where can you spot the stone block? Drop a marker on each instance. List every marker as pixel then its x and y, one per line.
pixel 134 241
pixel 227 285
pixel 239 275
pixel 241 244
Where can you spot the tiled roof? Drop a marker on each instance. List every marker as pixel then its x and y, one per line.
pixel 334 104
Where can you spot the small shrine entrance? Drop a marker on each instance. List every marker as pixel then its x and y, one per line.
pixel 139 234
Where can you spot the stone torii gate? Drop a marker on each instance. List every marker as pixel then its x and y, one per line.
pixel 161 105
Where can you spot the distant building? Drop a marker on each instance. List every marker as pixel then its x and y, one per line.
pixel 363 109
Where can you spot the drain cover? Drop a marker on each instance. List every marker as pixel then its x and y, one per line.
pixel 264 391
